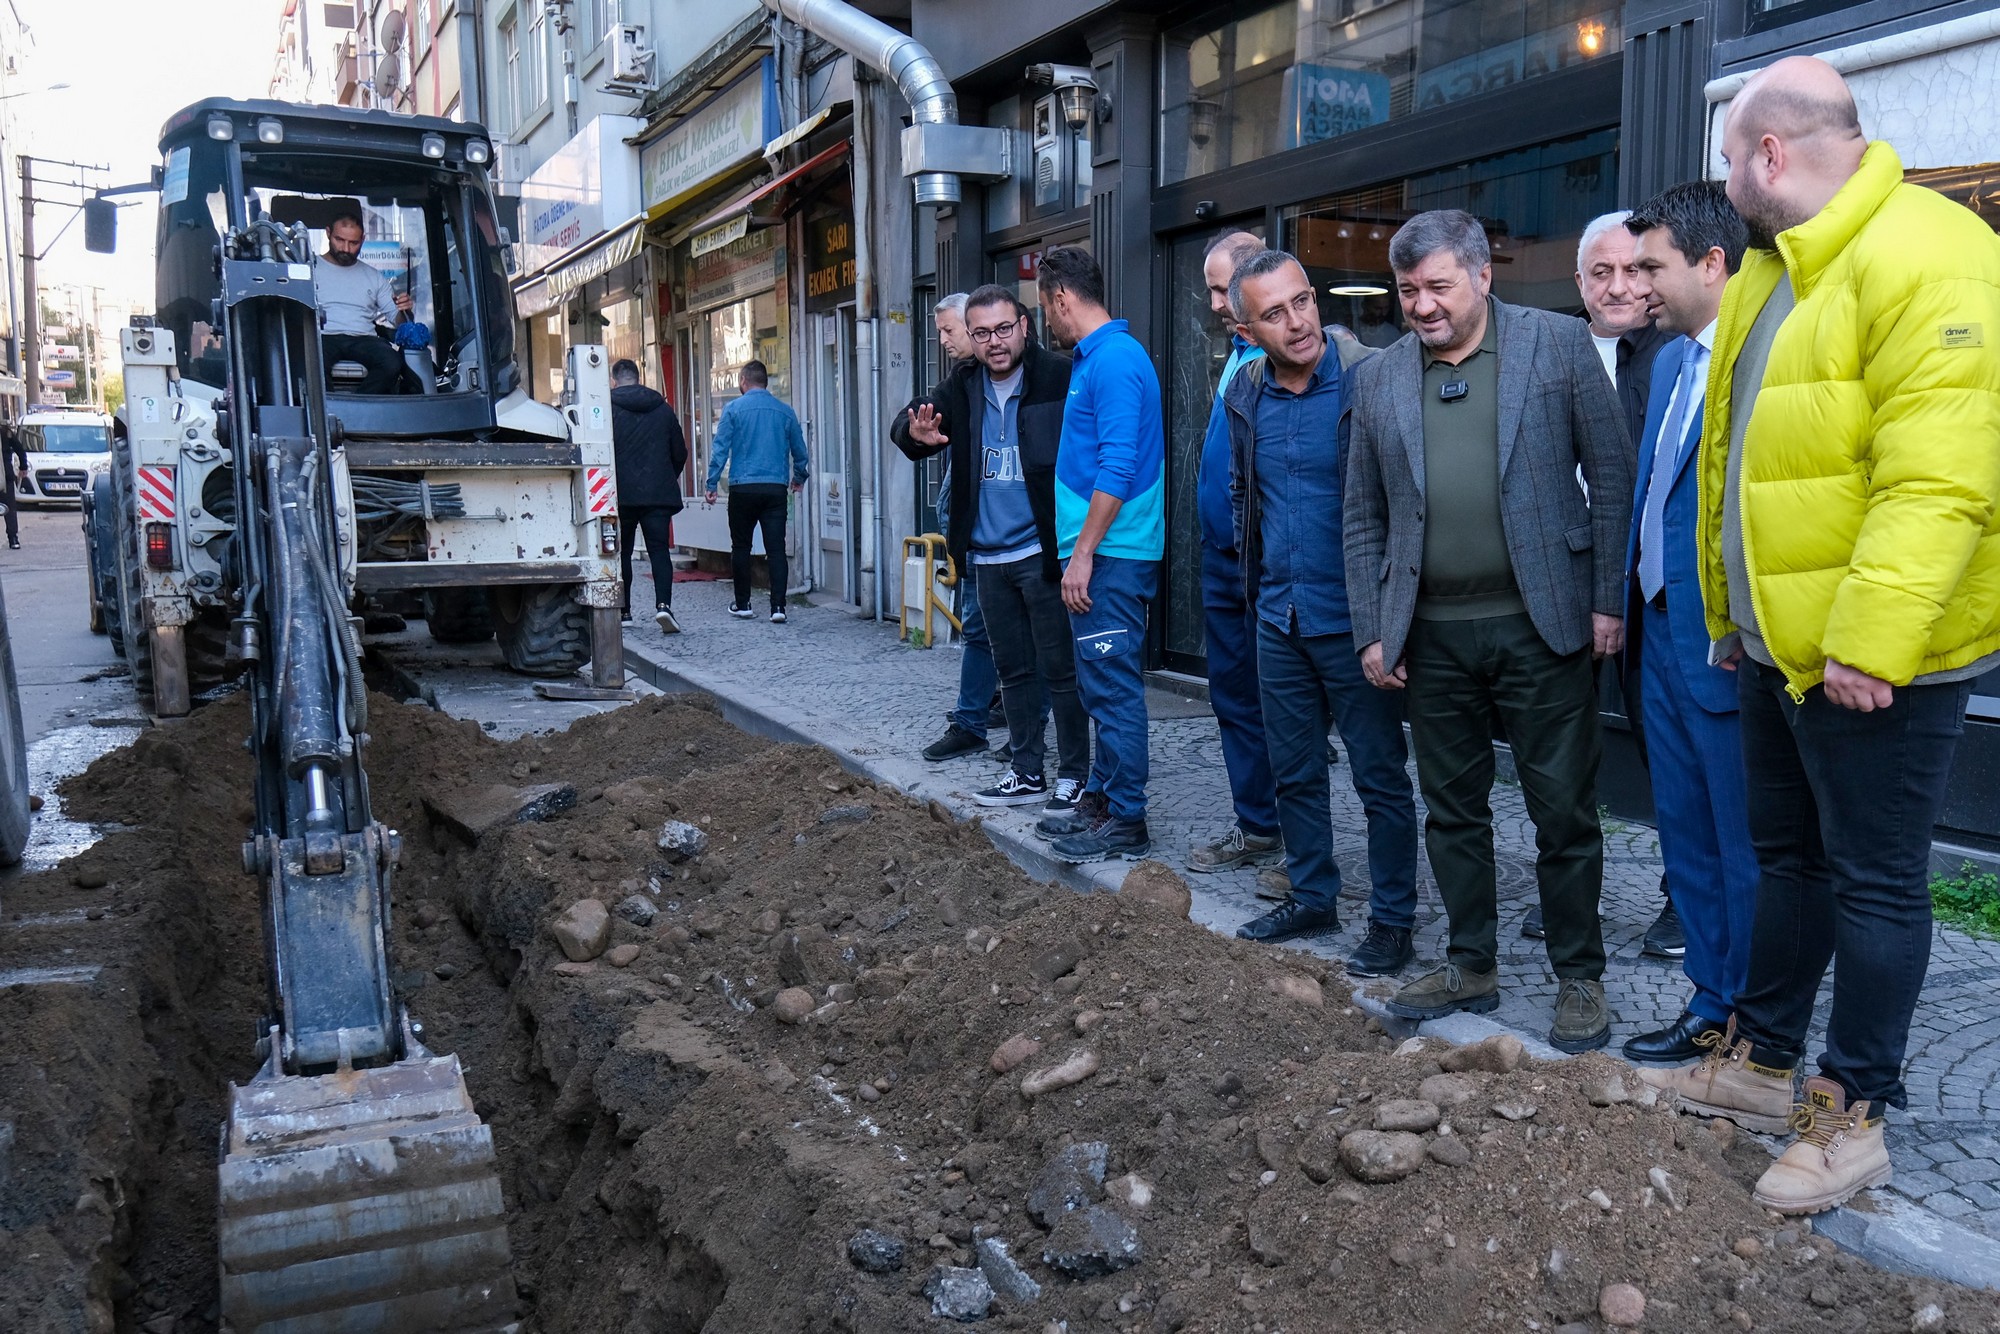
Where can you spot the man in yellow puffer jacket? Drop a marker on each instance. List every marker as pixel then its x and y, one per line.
pixel 1850 564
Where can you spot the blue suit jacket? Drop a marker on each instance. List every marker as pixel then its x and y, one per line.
pixel 1713 688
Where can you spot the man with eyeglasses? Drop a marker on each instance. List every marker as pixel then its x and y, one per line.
pixel 1000 417
pixel 1288 423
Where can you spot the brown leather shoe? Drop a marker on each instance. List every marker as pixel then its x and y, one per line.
pixel 1839 1153
pixel 1728 1084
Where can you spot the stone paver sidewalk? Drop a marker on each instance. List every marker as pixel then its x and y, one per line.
pixel 848 682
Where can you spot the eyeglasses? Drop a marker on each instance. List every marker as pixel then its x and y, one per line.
pixel 997 331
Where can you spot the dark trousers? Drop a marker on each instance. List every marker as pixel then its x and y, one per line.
pixel 978 679
pixel 657 523
pixel 384 363
pixel 1311 683
pixel 1028 629
pixel 1463 674
pixel 1110 643
pixel 1230 628
pixel 1696 761
pixel 751 505
pixel 13 504
pixel 1841 809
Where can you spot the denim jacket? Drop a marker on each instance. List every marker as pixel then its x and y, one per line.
pixel 758 440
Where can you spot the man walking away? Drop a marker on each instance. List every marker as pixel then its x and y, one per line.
pixel 1849 551
pixel 651 452
pixel 1480 580
pixel 1111 533
pixel 1229 627
pixel 1002 420
pixel 1689 241
pixel 759 441
pixel 14 464
pixel 1288 423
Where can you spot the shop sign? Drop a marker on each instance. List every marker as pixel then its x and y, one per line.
pixel 1324 102
pixel 829 263
pixel 739 269
pixel 717 237
pixel 1510 63
pixel 587 185
pixel 729 130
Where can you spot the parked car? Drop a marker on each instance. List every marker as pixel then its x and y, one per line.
pixel 62 444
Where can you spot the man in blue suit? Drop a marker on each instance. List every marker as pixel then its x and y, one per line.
pixel 1689 241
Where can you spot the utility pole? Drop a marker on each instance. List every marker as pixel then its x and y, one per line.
pixel 31 307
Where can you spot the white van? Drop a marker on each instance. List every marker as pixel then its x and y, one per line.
pixel 62 445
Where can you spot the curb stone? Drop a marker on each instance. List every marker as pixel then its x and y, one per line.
pixel 1888 1231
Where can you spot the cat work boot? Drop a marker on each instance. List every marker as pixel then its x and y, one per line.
pixel 1089 811
pixel 1447 990
pixel 1727 1083
pixel 1273 883
pixel 1839 1153
pixel 1237 847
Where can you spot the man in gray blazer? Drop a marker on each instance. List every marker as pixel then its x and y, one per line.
pixel 1481 580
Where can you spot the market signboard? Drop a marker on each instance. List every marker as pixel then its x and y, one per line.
pixel 729 130
pixel 829 263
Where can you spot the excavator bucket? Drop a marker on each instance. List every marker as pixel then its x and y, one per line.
pixel 364 1200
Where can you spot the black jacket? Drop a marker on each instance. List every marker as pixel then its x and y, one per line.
pixel 1634 378
pixel 1044 391
pixel 651 449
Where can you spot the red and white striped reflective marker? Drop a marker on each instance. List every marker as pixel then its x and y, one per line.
pixel 156 493
pixel 601 492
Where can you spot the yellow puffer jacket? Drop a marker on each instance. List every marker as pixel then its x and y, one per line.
pixel 1871 465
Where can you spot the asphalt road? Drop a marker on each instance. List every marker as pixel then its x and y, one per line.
pixel 58 660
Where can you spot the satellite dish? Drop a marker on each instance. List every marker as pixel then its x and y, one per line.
pixel 388 74
pixel 393 28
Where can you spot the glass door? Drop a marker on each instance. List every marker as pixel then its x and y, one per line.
pixel 836 463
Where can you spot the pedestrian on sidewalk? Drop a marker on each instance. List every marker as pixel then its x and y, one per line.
pixel 1229 626
pixel 1001 420
pixel 1110 493
pixel 759 441
pixel 14 460
pixel 651 451
pixel 1288 427
pixel 967 721
pixel 1849 551
pixel 1481 581
pixel 1689 240
pixel 1607 278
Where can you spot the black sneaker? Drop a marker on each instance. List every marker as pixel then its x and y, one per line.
pixel 1387 949
pixel 1531 926
pixel 778 616
pixel 664 618
pixel 741 613
pixel 625 616
pixel 1290 920
pixel 1090 811
pixel 1065 796
pixel 1665 939
pixel 1110 840
pixel 1014 790
pixel 955 741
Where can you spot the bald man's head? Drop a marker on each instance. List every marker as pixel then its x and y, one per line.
pixel 1225 254
pixel 1792 139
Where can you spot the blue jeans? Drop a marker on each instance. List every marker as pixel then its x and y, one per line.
pixel 1110 678
pixel 1696 761
pixel 978 678
pixel 1841 809
pixel 1231 630
pixel 1312 683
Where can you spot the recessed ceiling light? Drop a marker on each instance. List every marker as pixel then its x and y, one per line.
pixel 1358 289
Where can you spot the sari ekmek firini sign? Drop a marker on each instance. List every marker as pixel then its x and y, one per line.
pixel 730 130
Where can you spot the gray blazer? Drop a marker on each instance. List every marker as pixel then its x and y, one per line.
pixel 1558 412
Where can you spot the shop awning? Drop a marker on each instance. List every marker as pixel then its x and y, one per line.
pixel 12 386
pixel 591 260
pixel 745 203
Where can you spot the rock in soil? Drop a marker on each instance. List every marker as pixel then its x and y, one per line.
pixel 876 1252
pixel 1378 1156
pixel 1500 1054
pixel 1067 1181
pixel 1158 884
pixel 1073 1069
pixel 1006 1276
pixel 958 1294
pixel 582 930
pixel 1622 1305
pixel 1092 1241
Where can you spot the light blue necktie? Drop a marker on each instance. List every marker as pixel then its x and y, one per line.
pixel 1666 453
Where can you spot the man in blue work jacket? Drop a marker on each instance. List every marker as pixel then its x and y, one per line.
pixel 1229 627
pixel 758 439
pixel 1110 535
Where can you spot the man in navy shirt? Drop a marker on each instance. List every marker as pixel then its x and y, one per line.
pixel 1288 446
pixel 1229 627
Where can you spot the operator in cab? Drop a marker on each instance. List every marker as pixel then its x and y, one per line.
pixel 355 297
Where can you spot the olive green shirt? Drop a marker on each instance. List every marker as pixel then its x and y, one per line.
pixel 1467 573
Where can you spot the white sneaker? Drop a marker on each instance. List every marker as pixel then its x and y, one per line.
pixel 1013 790
pixel 741 613
pixel 1066 793
pixel 668 625
pixel 777 618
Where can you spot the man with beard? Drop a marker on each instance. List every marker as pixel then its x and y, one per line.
pixel 1849 553
pixel 1288 424
pixel 353 299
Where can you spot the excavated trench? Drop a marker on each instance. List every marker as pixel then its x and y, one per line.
pixel 782 1089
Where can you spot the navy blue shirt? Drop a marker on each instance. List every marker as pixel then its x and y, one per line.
pixel 1299 490
pixel 1218 521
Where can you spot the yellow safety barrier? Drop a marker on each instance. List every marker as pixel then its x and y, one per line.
pixel 927 565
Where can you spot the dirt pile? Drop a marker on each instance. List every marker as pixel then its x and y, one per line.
pixel 818 1058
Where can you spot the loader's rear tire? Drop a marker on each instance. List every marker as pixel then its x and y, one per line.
pixel 102 548
pixel 458 615
pixel 543 630
pixel 207 642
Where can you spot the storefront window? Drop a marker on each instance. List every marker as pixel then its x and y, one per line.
pixel 732 335
pixel 1535 203
pixel 1242 88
